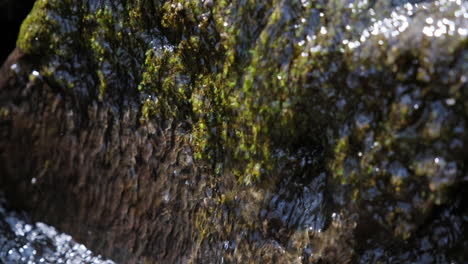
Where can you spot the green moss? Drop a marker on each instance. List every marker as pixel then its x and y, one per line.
pixel 36 30
pixel 255 78
pixel 269 85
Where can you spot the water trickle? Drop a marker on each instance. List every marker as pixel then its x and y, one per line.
pixel 24 242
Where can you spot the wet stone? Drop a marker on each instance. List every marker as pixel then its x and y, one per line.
pixel 239 131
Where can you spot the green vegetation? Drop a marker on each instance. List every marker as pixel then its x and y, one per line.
pixel 361 91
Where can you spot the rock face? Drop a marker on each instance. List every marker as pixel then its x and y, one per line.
pixel 211 132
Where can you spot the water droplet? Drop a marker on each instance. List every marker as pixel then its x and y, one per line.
pixel 167 196
pixel 428 31
pixel 403 27
pixel 323 30
pixel 354 44
pixel 462 31
pixel 450 101
pixel 315 49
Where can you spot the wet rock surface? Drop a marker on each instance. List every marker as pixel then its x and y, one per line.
pixel 218 132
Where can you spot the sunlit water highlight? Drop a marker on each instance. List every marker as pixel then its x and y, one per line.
pixel 24 242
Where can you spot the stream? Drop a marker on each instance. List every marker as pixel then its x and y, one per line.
pixel 26 242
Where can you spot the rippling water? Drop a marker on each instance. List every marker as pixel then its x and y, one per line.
pixel 22 241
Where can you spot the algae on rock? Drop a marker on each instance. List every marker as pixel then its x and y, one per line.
pixel 296 130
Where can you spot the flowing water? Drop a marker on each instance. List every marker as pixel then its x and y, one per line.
pixel 26 242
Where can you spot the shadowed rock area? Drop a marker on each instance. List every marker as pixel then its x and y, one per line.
pixel 244 131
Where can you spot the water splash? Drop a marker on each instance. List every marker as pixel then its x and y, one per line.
pixel 24 242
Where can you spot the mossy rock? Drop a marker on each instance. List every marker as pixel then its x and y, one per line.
pixel 315 130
